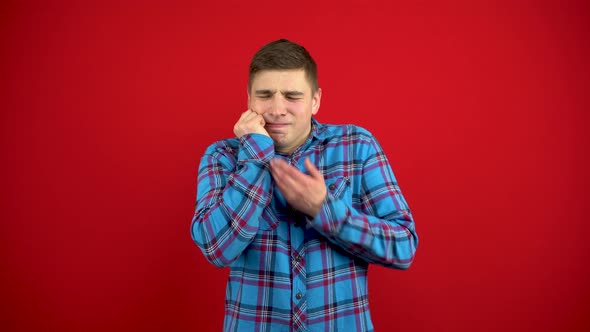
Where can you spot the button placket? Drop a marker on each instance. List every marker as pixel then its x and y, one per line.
pixel 298 272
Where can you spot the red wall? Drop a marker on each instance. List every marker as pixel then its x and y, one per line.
pixel 107 108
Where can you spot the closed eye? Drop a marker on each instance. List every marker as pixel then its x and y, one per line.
pixel 293 95
pixel 264 94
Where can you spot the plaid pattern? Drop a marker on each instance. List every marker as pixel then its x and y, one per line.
pixel 290 272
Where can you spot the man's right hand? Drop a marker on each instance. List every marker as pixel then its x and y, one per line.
pixel 250 122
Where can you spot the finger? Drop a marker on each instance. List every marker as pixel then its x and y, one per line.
pixel 284 169
pixel 262 122
pixel 288 187
pixel 248 115
pixel 245 116
pixel 279 179
pixel 287 175
pixel 255 113
pixel 295 174
pixel 277 171
pixel 255 117
pixel 277 163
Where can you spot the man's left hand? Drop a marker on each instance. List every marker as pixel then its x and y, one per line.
pixel 305 193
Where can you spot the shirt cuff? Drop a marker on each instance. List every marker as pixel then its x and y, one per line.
pixel 331 217
pixel 257 147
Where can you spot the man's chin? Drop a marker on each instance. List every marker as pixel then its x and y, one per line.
pixel 277 137
pixel 278 140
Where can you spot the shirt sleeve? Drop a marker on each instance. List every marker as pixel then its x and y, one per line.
pixel 233 189
pixel 382 231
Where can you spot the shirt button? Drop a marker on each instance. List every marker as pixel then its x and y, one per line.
pixel 298 296
pixel 298 258
pixel 332 186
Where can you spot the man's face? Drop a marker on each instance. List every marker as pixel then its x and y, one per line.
pixel 285 99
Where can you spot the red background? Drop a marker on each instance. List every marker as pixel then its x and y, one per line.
pixel 106 109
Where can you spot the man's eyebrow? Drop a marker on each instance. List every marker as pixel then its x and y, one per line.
pixel 292 93
pixel 265 92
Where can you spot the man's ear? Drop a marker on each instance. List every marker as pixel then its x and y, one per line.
pixel 315 102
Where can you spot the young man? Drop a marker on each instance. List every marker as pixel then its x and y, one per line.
pixel 298 209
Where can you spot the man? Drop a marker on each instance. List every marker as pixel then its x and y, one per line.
pixel 298 209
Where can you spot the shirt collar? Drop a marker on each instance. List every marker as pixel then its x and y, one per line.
pixel 318 130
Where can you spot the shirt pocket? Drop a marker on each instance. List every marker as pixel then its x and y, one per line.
pixel 339 187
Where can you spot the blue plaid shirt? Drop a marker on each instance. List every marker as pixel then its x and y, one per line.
pixel 288 271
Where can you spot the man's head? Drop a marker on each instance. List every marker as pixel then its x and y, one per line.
pixel 283 54
pixel 283 90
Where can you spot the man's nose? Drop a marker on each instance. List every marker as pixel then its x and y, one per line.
pixel 277 106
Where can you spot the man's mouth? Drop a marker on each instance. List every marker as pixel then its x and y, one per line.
pixel 276 125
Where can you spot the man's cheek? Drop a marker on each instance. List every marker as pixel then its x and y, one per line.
pixel 260 106
pixel 255 106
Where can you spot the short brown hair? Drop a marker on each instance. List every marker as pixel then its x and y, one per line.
pixel 283 54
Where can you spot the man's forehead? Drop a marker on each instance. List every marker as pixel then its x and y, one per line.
pixel 283 79
pixel 273 91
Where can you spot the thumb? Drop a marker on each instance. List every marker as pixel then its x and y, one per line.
pixel 313 171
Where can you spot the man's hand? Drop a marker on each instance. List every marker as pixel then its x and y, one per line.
pixel 305 193
pixel 250 122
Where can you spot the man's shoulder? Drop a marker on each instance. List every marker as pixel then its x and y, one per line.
pixel 224 146
pixel 343 131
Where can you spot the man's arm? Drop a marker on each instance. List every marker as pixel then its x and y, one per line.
pixel 233 189
pixel 231 195
pixel 382 231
